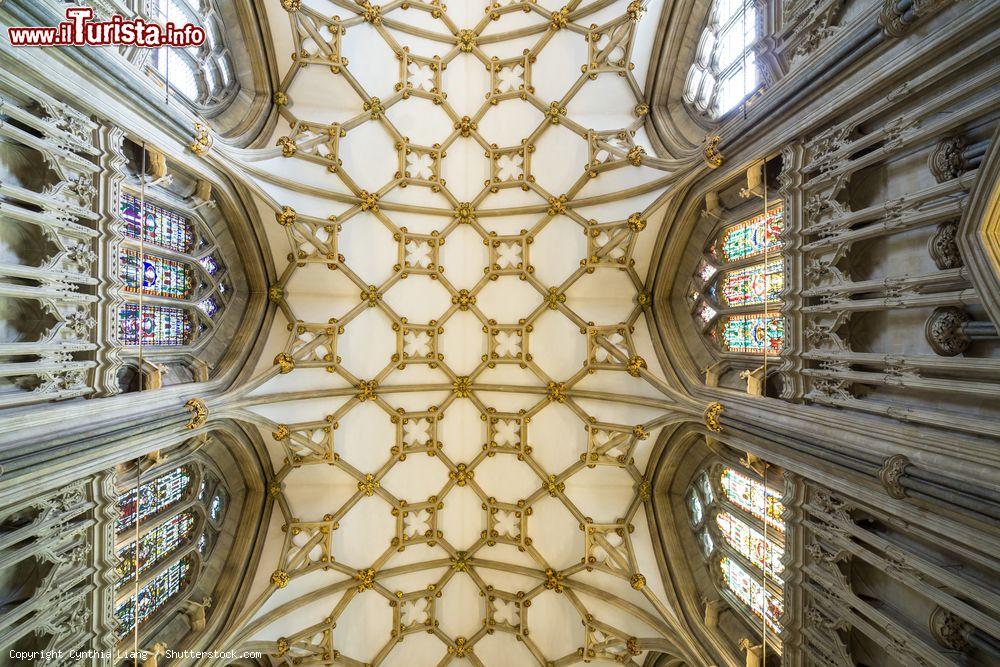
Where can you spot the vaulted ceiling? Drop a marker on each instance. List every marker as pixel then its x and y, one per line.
pixel 460 392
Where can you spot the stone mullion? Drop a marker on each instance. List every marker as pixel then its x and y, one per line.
pixel 903 380
pixel 64 139
pixel 951 277
pixel 908 568
pixel 59 605
pixel 963 297
pixel 910 363
pixel 876 625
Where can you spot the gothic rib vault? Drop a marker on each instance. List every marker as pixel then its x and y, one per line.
pixel 459 392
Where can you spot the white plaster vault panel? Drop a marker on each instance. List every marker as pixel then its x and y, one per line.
pixel 463 391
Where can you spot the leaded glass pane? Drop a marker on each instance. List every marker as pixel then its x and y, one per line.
pixel 751 237
pixel 152 596
pixel 745 286
pixel 751 592
pixel 705 313
pixel 695 508
pixel 706 488
pixel 160 276
pixel 154 546
pixel 707 545
pixel 736 86
pixel 209 306
pixel 178 71
pixel 216 508
pixel 153 497
pixel 158 226
pixel 160 325
pixel 706 271
pixel 724 10
pixel 753 497
pixel 750 543
pixel 754 333
pixel 210 264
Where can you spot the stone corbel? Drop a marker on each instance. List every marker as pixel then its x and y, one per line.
pixel 755 380
pixel 754 653
pixel 714 372
pixel 755 182
pixel 712 610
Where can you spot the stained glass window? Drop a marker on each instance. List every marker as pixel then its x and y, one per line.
pixel 751 592
pixel 706 271
pixel 159 226
pixel 695 508
pixel 210 264
pixel 159 325
pixel 153 497
pixel 155 546
pixel 752 333
pixel 745 286
pixel 750 543
pixel 705 313
pixel 751 237
pixel 209 306
pixel 753 497
pixel 160 276
pixel 152 596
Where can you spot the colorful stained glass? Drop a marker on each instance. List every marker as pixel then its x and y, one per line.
pixel 210 265
pixel 751 592
pixel 695 508
pixel 153 497
pixel 209 306
pixel 152 596
pixel 753 497
pixel 706 271
pixel 751 237
pixel 160 325
pixel 745 286
pixel 160 276
pixel 159 226
pixel 750 543
pixel 752 333
pixel 155 546
pixel 705 313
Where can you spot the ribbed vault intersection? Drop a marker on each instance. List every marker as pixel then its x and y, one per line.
pixel 460 392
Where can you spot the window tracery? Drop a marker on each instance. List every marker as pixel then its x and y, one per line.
pixel 167 258
pixel 725 70
pixel 180 513
pixel 727 510
pixel 203 75
pixel 741 274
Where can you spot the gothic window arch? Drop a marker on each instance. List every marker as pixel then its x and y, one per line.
pixel 735 295
pixel 725 70
pixel 203 75
pixel 169 262
pixel 737 520
pixel 168 524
